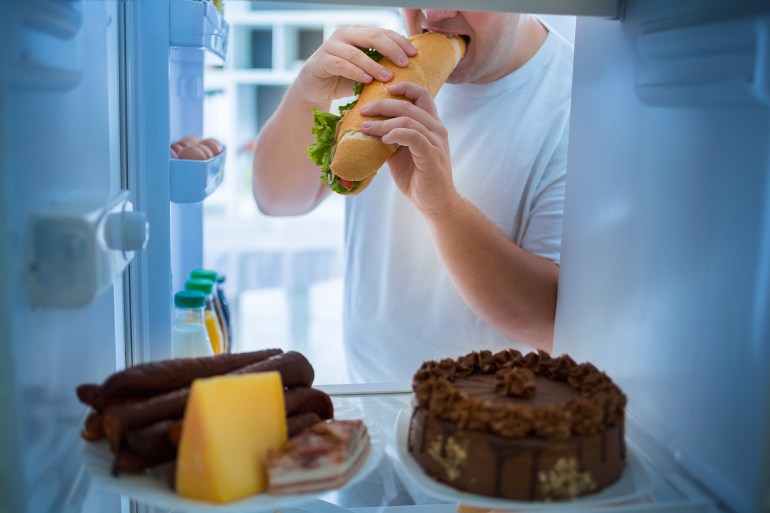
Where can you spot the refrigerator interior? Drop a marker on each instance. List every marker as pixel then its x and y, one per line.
pixel 664 280
pixel 666 248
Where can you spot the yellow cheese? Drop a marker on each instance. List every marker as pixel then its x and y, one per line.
pixel 230 423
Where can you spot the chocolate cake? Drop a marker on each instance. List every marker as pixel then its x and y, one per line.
pixel 521 427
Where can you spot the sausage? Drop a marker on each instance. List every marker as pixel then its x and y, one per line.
pixel 153 440
pixel 121 419
pixel 295 369
pixel 92 428
pixel 153 378
pixel 307 399
pixel 298 423
pixel 128 462
pixel 124 418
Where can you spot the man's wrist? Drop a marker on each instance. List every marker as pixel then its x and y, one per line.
pixel 448 212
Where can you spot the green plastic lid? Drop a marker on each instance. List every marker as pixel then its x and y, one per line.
pixel 190 299
pixel 206 274
pixel 205 286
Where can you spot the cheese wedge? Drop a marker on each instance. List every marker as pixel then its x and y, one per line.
pixel 230 424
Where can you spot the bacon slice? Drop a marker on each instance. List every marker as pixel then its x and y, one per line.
pixel 324 456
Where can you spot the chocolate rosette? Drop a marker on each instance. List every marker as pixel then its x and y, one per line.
pixel 599 404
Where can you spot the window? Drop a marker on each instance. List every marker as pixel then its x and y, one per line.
pixel 283 275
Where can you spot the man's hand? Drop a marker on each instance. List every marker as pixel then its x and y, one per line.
pixel 285 180
pixel 421 167
pixel 329 73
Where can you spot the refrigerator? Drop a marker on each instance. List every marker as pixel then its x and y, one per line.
pixel 665 267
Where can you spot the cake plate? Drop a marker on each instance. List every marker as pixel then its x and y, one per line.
pixel 634 483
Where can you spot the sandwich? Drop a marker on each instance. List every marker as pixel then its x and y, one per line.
pixel 349 159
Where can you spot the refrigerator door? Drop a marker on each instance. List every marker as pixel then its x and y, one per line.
pixel 91 94
pixel 62 244
pixel 666 248
pixel 165 44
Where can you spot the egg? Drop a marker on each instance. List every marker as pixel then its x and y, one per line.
pixel 205 149
pixel 190 140
pixel 194 153
pixel 176 147
pixel 174 154
pixel 213 145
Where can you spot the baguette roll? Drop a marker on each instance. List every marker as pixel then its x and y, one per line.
pixel 356 157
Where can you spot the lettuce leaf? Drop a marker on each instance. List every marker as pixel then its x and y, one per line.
pixel 320 152
pixel 325 130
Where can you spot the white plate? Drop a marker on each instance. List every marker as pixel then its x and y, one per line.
pixel 634 483
pixel 152 489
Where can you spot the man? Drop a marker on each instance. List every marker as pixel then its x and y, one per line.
pixel 457 248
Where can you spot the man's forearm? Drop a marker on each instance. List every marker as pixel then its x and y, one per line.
pixel 511 289
pixel 284 179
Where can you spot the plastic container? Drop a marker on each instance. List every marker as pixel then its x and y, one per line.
pixel 210 317
pixel 192 181
pixel 208 274
pixel 189 335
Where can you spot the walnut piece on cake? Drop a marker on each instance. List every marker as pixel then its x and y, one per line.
pixel 323 456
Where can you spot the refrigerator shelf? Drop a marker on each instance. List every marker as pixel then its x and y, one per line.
pixel 198 24
pixel 192 181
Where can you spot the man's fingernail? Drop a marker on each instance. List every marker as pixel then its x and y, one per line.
pixel 402 60
pixel 385 74
pixel 366 125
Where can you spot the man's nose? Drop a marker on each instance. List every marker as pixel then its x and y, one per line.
pixel 438 14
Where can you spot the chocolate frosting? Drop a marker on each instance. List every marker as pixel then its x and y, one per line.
pixel 590 403
pixel 515 381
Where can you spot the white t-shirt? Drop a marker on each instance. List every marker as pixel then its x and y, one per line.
pixel 508 141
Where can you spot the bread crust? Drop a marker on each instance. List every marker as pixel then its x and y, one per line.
pixel 357 155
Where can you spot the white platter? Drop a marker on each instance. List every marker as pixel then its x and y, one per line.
pixel 633 485
pixel 152 489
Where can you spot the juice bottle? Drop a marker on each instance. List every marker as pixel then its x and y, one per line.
pixel 209 312
pixel 225 310
pixel 189 336
pixel 224 326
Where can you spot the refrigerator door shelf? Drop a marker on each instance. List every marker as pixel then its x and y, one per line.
pixel 192 181
pixel 47 57
pixel 78 246
pixel 198 25
pixel 717 64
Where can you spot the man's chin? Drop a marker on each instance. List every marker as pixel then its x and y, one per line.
pixel 457 77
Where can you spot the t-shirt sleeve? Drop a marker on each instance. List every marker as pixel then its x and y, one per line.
pixel 542 234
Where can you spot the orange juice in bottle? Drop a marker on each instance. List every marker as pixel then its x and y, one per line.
pixel 209 313
pixel 219 307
